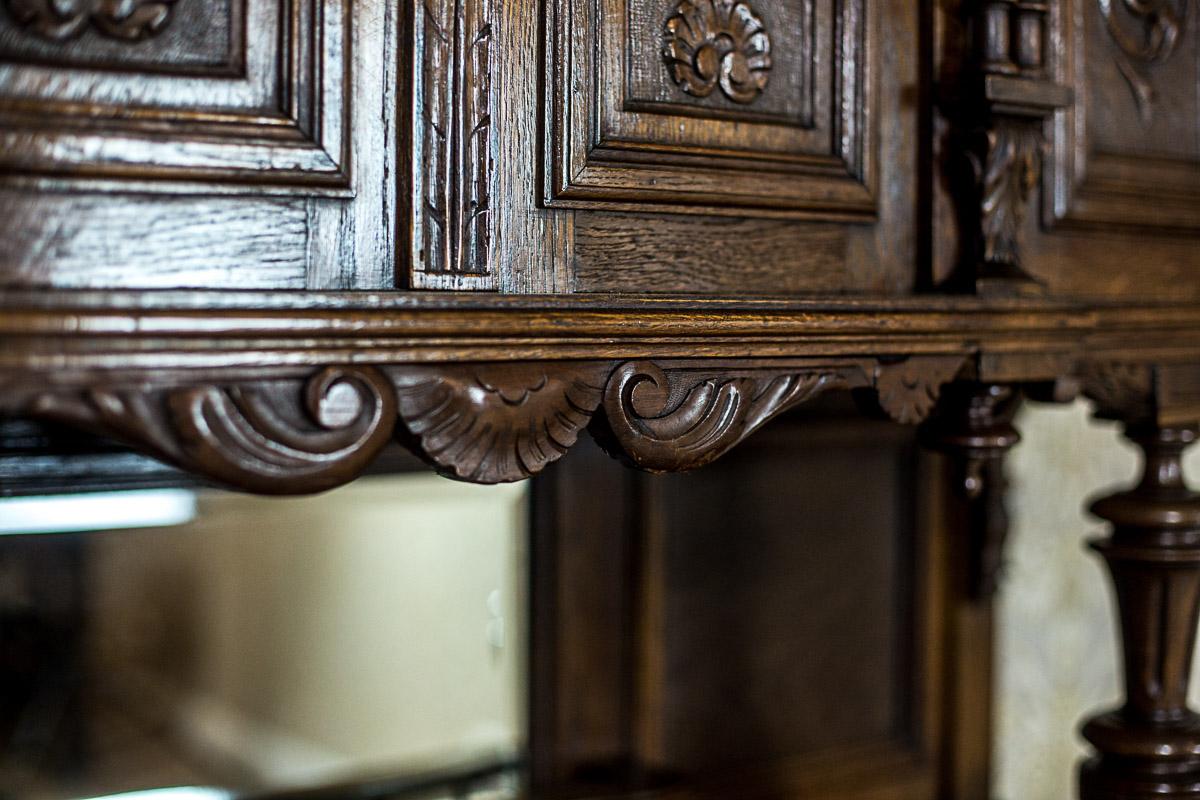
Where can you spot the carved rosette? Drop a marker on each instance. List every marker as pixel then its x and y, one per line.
pixel 496 423
pixel 681 419
pixel 60 20
pixel 711 43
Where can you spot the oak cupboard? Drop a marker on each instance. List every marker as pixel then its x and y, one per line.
pixel 260 240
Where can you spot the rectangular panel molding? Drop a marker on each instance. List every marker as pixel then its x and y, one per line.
pixel 174 96
pixel 1127 153
pixel 746 107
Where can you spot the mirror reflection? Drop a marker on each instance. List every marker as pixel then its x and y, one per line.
pixel 367 641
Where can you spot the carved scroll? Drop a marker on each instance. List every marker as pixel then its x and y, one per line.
pixel 1158 26
pixel 271 437
pixel 495 423
pixel 452 145
pixel 60 20
pixel 483 423
pixel 681 419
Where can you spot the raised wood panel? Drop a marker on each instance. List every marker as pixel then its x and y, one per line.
pixel 1127 153
pixel 146 35
pixel 758 107
pixel 162 96
pixel 673 659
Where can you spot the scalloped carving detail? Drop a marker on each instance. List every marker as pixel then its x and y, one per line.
pixel 496 423
pixel 271 437
pixel 909 390
pixel 681 419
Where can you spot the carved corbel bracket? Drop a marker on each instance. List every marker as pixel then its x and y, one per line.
pixel 496 423
pixel 1001 119
pixel 1143 394
pixel 289 433
pixel 675 416
pixel 271 436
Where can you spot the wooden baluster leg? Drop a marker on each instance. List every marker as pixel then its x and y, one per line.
pixel 1150 747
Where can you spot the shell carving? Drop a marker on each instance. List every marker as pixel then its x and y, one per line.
pixel 711 43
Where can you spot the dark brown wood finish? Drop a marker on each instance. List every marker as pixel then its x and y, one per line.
pixel 638 588
pixel 260 241
pixel 1151 745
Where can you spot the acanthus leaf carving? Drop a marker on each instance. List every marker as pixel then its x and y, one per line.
pixel 272 437
pixel 60 20
pixel 1011 170
pixel 496 423
pixel 678 418
pixel 908 390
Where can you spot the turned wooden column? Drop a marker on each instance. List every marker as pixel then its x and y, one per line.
pixel 974 429
pixel 1150 747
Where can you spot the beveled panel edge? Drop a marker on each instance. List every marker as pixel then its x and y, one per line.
pixel 584 170
pixel 1084 189
pixel 300 148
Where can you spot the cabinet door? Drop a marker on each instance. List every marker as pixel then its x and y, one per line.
pixel 1121 187
pixel 721 146
pixel 206 143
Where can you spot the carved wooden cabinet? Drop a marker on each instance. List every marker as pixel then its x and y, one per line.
pixel 261 239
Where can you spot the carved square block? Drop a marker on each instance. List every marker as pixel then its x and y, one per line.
pixel 1127 153
pixel 173 95
pixel 745 107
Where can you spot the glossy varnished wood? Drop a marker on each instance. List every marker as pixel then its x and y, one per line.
pixel 669 223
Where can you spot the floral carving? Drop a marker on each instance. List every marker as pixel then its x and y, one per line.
pixel 1161 24
pixel 667 420
pixel 496 423
pixel 711 43
pixel 60 20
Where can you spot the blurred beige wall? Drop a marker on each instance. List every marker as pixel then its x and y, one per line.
pixel 1057 635
pixel 375 628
